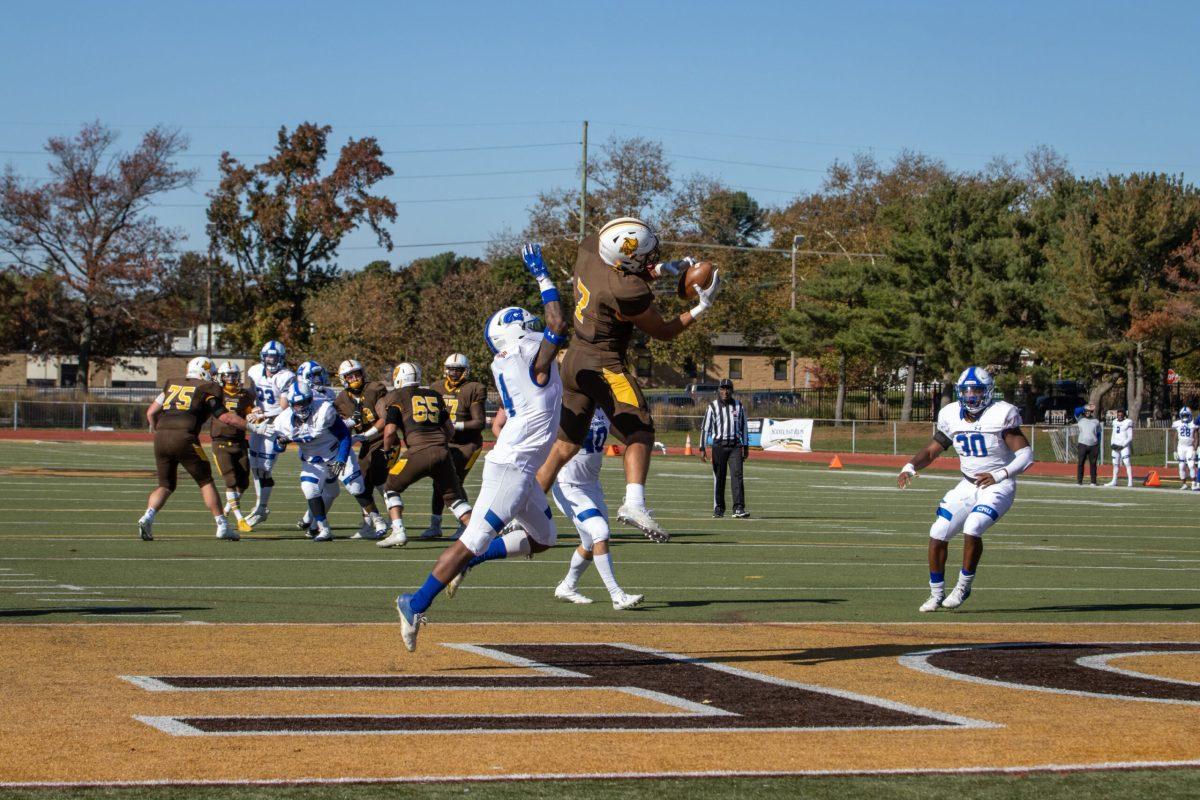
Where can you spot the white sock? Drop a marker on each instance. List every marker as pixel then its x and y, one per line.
pixel 517 544
pixel 579 565
pixel 965 581
pixel 635 495
pixel 307 518
pixel 604 567
pixel 220 520
pixel 435 521
pixel 938 588
pixel 232 499
pixel 149 515
pixel 398 524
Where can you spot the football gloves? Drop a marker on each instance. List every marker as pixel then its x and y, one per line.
pixel 707 296
pixel 531 254
pixel 335 467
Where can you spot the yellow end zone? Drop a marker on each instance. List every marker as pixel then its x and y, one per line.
pixel 77 700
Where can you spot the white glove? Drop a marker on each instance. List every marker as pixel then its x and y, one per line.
pixel 460 426
pixel 672 267
pixel 262 429
pixel 707 295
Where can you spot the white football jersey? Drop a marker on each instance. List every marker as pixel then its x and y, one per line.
pixel 533 410
pixel 269 389
pixel 1122 432
pixel 1185 431
pixel 317 443
pixel 584 468
pixel 980 444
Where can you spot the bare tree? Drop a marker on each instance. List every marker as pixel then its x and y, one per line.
pixel 89 227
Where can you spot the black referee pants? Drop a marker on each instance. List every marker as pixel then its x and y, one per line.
pixel 727 458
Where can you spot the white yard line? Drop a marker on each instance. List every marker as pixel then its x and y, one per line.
pixel 550 587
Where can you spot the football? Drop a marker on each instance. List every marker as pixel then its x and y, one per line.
pixel 700 273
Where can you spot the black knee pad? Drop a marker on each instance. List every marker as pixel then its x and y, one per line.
pixel 268 480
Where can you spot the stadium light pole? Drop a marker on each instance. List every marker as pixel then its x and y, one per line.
pixel 797 240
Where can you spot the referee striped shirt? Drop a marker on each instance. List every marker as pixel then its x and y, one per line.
pixel 726 423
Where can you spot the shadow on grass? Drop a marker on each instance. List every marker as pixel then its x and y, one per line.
pixel 756 600
pixel 1093 608
pixel 92 610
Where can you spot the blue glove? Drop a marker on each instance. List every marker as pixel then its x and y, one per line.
pixel 531 254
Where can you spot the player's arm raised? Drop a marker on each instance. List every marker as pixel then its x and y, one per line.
pixel 923 458
pixel 556 324
pixel 652 323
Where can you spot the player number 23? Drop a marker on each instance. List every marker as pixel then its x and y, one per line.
pixel 179 398
pixel 971 444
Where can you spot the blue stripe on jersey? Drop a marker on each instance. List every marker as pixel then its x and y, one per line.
pixel 492 519
pixel 588 513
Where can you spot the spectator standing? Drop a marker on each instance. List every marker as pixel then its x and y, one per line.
pixel 1088 442
pixel 725 423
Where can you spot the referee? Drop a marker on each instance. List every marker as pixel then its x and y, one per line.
pixel 725 423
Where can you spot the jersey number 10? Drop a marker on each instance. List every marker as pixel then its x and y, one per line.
pixel 971 445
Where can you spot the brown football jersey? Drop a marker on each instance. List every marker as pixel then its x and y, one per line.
pixel 605 298
pixel 361 406
pixel 420 415
pixel 188 404
pixel 240 402
pixel 465 403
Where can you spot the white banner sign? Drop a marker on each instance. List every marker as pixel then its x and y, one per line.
pixel 787 434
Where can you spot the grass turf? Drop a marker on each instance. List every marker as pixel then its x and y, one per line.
pixel 821 545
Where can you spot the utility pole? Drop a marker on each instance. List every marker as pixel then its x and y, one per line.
pixel 583 188
pixel 797 240
pixel 208 303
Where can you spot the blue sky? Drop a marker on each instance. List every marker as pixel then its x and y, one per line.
pixel 1113 86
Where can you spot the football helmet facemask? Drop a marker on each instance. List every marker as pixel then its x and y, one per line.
pixel 974 390
pixel 230 376
pixel 455 369
pixel 272 354
pixel 352 375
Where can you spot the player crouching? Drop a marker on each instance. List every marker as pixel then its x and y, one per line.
pixel 992 452
pixel 326 455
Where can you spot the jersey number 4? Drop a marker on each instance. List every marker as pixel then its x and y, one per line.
pixel 179 398
pixel 971 444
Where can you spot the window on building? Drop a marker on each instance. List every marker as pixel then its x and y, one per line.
pixel 735 368
pixel 644 366
pixel 781 373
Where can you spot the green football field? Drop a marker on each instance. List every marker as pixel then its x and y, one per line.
pixel 821 546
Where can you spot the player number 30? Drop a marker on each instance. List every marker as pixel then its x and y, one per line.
pixel 971 444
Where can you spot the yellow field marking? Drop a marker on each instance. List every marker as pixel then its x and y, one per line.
pixel 45 663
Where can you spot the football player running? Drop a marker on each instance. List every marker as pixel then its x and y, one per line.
pixel 416 415
pixel 464 400
pixel 1122 438
pixel 176 417
pixel 229 442
pixel 526 374
pixel 992 452
pixel 613 294
pixel 316 377
pixel 359 404
pixel 1185 449
pixel 269 380
pixel 326 455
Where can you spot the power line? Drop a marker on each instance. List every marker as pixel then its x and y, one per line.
pixel 396 177
pixel 252 126
pixel 781 250
pixel 398 202
pixel 746 163
pixel 385 152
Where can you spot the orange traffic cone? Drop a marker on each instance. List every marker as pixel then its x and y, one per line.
pixel 1152 479
pixel 687 446
pixel 612 450
pixel 836 463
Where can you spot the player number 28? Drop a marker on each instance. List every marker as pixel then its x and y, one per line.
pixel 972 445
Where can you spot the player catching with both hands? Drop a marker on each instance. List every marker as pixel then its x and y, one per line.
pixel 992 452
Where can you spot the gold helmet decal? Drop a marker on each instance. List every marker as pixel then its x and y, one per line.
pixel 629 246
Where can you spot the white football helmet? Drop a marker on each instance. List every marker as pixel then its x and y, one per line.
pixel 314 373
pixel 406 374
pixel 509 326
pixel 200 368
pixel 346 372
pixel 456 368
pixel 301 399
pixel 974 390
pixel 229 374
pixel 273 354
pixel 1185 414
pixel 628 244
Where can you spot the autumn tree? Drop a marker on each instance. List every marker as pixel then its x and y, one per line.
pixel 89 228
pixel 366 316
pixel 280 224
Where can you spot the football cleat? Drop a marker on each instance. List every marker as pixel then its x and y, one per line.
pixel 431 532
pixel 257 516
pixel 397 538
pixel 455 582
pixel 718 513
pixel 243 526
pixel 957 597
pixel 304 523
pixel 568 594
pixel 458 532
pixel 324 533
pixel 641 519
pixel 366 530
pixel 932 604
pixel 144 531
pixel 622 601
pixel 740 513
pixel 225 532
pixel 410 622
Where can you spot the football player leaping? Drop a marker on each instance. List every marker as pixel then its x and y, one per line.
pixel 326 454
pixel 1185 448
pixel 269 380
pixel 992 452
pixel 526 374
